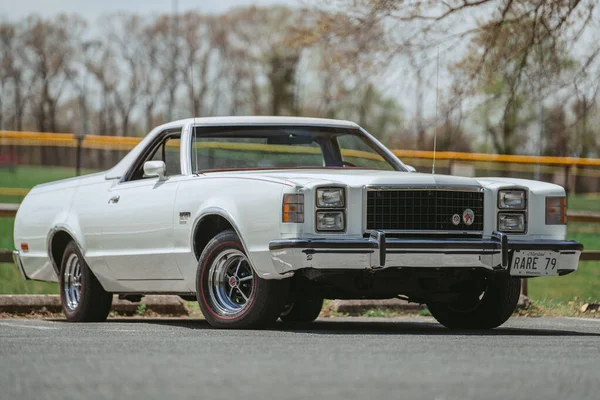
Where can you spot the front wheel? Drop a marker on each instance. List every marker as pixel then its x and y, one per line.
pixel 230 293
pixel 302 309
pixel 480 311
pixel 82 297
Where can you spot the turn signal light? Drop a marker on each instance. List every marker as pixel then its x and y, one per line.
pixel 556 210
pixel 24 247
pixel 293 208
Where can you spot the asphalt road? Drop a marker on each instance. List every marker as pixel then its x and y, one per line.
pixel 545 358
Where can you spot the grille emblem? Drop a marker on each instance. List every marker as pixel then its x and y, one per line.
pixel 456 219
pixel 468 217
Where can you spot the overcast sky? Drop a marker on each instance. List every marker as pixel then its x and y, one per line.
pixel 92 9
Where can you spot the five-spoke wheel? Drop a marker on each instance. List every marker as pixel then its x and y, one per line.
pixel 231 282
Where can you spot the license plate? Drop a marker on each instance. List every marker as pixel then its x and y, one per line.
pixel 534 263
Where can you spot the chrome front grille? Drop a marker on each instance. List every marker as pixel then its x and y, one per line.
pixel 427 210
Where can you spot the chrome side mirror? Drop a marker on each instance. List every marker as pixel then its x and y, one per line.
pixel 410 168
pixel 156 168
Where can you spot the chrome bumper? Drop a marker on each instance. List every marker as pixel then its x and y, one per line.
pixel 377 252
pixel 19 263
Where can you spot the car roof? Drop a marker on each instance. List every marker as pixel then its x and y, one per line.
pixel 259 120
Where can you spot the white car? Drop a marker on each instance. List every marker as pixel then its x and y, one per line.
pixel 262 218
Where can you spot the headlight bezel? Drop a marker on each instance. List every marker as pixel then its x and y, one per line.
pixel 512 232
pixel 340 189
pixel 514 190
pixel 342 213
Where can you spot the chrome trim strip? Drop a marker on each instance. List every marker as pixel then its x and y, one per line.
pixel 430 232
pixel 454 188
pixel 17 260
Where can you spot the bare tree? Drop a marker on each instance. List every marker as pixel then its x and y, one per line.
pixel 533 49
pixel 127 55
pixel 197 67
pixel 164 35
pixel 11 75
pixel 48 52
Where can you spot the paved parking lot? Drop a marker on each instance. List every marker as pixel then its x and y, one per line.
pixel 355 358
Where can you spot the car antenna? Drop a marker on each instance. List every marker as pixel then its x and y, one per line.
pixel 437 95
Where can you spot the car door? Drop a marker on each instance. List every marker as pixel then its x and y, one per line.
pixel 137 237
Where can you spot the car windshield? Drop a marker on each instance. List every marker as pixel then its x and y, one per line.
pixel 275 147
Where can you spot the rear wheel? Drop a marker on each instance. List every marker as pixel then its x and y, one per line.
pixel 302 309
pixel 230 293
pixel 83 298
pixel 486 310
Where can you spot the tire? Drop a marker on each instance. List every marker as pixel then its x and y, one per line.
pixel 302 309
pixel 82 297
pixel 494 308
pixel 230 293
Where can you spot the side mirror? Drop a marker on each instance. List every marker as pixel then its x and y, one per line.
pixel 410 168
pixel 156 168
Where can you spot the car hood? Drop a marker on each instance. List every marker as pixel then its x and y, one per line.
pixel 359 178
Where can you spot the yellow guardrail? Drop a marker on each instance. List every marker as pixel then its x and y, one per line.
pixel 13 191
pixel 126 143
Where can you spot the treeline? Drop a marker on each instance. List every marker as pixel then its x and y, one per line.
pixel 517 76
pixel 137 72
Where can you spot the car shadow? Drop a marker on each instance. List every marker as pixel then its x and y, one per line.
pixel 347 326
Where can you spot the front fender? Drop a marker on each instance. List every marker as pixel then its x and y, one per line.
pixel 252 207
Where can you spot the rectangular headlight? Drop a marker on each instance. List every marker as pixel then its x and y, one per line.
pixel 330 221
pixel 556 210
pixel 330 197
pixel 511 222
pixel 293 208
pixel 512 199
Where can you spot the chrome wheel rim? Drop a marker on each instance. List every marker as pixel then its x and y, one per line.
pixel 72 282
pixel 231 282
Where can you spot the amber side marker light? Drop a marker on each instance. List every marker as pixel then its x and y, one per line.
pixel 24 247
pixel 293 208
pixel 556 210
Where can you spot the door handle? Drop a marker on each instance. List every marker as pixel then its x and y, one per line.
pixel 114 200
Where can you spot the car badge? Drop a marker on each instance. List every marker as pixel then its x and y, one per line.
pixel 184 216
pixel 456 219
pixel 468 217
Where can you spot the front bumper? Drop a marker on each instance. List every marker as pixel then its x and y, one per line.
pixel 377 252
pixel 19 263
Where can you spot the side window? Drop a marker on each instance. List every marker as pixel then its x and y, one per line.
pixel 173 156
pixel 169 152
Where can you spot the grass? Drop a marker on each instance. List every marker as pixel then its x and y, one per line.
pixel 11 282
pixel 6 233
pixel 557 308
pixel 28 177
pixel 583 284
pixel 584 202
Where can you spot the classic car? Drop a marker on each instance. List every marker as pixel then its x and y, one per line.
pixel 260 218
